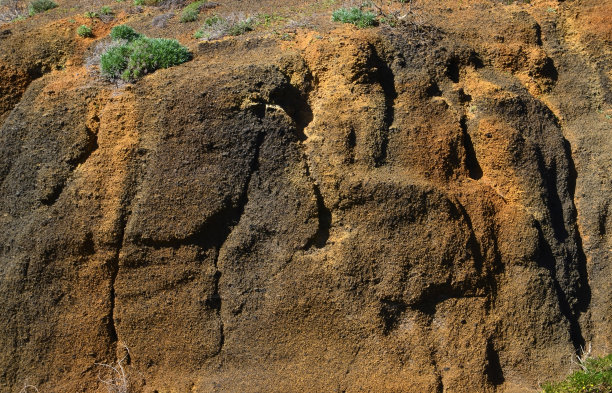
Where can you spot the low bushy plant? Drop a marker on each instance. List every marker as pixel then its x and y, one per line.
pixel 84 31
pixel 135 55
pixel 355 16
pixel 191 12
pixel 124 32
pixel 595 376
pixel 91 14
pixel 38 6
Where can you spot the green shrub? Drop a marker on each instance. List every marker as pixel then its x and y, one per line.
pixel 124 32
pixel 595 377
pixel 37 6
pixel 106 10
pixel 140 55
pixel 84 31
pixel 191 12
pixel 354 15
pixel 150 54
pixel 114 61
pixel 91 14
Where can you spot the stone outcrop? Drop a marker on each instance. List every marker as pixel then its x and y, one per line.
pixel 413 208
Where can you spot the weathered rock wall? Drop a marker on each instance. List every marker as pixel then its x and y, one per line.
pixel 419 208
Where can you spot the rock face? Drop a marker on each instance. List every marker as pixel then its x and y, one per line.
pixel 417 208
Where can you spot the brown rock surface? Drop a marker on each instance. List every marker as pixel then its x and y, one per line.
pixel 419 208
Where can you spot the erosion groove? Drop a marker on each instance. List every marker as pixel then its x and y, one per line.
pixel 384 76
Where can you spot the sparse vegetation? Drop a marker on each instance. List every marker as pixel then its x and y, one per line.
pixel 84 31
pixel 135 55
pixel 191 12
pixel 29 389
pixel 215 27
pixel 355 16
pixel 146 2
pixel 38 6
pixel 241 27
pixel 594 376
pixel 91 14
pixel 11 10
pixel 118 379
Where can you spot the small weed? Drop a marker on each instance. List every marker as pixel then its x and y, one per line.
pixel 594 376
pixel 267 20
pixel 91 14
pixel 38 6
pixel 118 379
pixel 355 16
pixel 106 10
pixel 191 12
pixel 84 31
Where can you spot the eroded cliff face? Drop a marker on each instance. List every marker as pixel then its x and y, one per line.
pixel 417 208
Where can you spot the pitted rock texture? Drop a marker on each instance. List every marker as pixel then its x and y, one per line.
pixel 399 209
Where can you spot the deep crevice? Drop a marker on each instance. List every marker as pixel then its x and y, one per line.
pixel 227 220
pixel 390 313
pixel 547 260
pixel 384 76
pixel 319 239
pixel 471 162
pixel 493 369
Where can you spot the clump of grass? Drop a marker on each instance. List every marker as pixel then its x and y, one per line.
pixel 191 12
pixel 135 55
pixel 38 6
pixel 84 31
pixel 595 376
pixel 91 14
pixel 215 27
pixel 355 16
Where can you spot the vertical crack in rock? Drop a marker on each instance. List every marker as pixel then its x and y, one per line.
pixel 493 369
pixel 567 266
pixel 227 220
pixel 547 259
pixel 385 77
pixel 324 216
pixel 471 162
